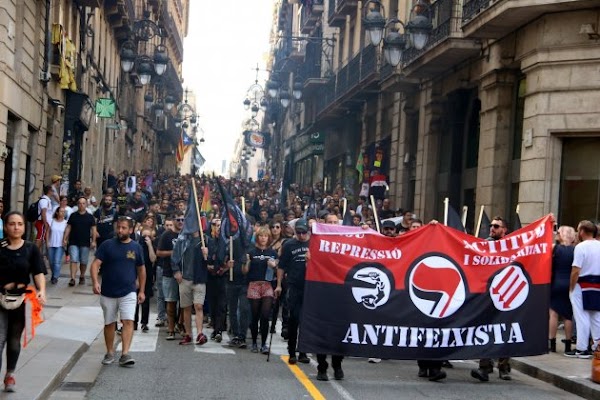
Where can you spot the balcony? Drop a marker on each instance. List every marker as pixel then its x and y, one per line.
pixel 310 15
pixel 120 15
pixel 493 19
pixel 173 33
pixel 310 69
pixel 354 82
pixel 338 9
pixel 446 46
pixel 392 79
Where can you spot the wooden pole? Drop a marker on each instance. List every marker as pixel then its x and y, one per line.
pixel 345 207
pixel 375 213
pixel 198 212
pixel 230 257
pixel 243 199
pixel 479 221
pixel 446 201
pixel 464 216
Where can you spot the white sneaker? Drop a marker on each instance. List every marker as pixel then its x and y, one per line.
pixel 374 360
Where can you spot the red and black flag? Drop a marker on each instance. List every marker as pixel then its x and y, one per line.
pixel 484 227
pixel 234 225
pixel 432 293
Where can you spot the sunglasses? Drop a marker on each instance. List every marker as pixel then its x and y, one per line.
pixel 301 233
pixel 179 219
pixel 495 226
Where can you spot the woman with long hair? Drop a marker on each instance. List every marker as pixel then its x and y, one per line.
pixel 259 270
pixel 54 240
pixel 19 260
pixel 560 304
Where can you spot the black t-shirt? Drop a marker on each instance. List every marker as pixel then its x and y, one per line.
pixel 81 229
pixel 385 214
pixel 166 243
pixel 293 262
pixel 105 220
pixel 258 264
pixel 18 265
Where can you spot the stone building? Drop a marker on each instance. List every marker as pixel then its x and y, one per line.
pixel 497 110
pixel 67 107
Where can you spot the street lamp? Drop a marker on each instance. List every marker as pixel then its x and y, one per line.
pixel 418 29
pixel 144 30
pixel 255 97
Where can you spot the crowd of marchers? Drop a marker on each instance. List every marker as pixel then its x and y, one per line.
pixel 145 252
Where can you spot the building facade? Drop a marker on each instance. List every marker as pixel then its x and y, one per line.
pixel 67 107
pixel 497 109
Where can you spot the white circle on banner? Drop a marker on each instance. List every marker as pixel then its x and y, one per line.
pixel 509 288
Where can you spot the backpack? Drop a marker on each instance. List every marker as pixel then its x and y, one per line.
pixel 32 213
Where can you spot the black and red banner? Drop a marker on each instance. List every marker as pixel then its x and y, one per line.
pixel 432 293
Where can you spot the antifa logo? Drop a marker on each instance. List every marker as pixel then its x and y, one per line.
pixel 436 286
pixel 371 284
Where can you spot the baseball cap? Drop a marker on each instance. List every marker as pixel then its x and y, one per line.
pixel 388 224
pixel 56 178
pixel 301 225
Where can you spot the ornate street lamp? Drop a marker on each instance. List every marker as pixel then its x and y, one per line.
pixel 374 21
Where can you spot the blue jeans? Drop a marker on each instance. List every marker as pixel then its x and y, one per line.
pixel 55 255
pixel 239 309
pixel 160 297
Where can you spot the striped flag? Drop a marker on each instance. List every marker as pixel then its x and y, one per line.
pixel 206 206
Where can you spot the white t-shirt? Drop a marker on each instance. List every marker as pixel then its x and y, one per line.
pixel 57 231
pixel 587 257
pixel 47 204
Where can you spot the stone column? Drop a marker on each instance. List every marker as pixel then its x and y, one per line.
pixel 493 173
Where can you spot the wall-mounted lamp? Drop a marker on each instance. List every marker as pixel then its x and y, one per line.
pixel 56 103
pixel 590 30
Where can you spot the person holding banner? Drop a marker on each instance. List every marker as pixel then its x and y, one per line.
pixel 585 298
pixel 486 365
pixel 293 266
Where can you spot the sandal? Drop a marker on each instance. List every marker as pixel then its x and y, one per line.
pixel 72 282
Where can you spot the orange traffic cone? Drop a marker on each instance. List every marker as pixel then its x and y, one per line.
pixel 596 365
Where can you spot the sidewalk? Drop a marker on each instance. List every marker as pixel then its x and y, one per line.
pixel 570 374
pixel 72 320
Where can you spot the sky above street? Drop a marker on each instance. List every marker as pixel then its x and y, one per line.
pixel 224 43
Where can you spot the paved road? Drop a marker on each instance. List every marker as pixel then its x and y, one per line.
pixel 165 370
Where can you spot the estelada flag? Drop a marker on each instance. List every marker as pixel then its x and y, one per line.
pixel 180 151
pixel 432 293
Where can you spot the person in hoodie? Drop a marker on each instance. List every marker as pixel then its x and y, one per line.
pixel 190 269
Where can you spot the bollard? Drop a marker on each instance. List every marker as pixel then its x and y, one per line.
pixel 596 365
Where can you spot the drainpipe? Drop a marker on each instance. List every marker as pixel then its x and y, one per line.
pixel 45 75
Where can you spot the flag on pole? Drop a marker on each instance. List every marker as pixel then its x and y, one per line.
pixel 198 160
pixel 180 151
pixel 359 166
pixel 484 228
pixel 234 225
pixel 454 220
pixel 206 206
pixel 191 223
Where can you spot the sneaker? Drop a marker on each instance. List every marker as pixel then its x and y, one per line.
pixel 504 375
pixel 254 348
pixel 303 358
pixel 292 360
pixel 242 343
pixel 234 342
pixel 54 281
pixel 72 282
pixel 108 359
pixel 338 374
pixel 126 360
pixel 437 375
pixel 585 354
pixel 322 376
pixel 170 336
pixel 145 328
pixel 264 349
pixel 480 374
pixel 159 323
pixel 201 339
pixel 187 339
pixel 9 383
pixel 423 373
pixel 218 338
pixel 374 360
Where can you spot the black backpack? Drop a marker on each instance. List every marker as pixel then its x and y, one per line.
pixel 32 213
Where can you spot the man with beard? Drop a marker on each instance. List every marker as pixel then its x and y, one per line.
pixel 106 219
pixel 122 264
pixel 486 366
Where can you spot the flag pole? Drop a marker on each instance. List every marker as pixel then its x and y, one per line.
pixel 198 212
pixel 243 199
pixel 345 206
pixel 517 209
pixel 479 221
pixel 375 213
pixel 464 216
pixel 231 258
pixel 446 201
